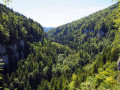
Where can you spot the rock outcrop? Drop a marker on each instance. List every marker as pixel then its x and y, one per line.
pixel 12 52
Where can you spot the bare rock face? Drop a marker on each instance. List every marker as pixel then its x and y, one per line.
pixel 118 64
pixel 12 52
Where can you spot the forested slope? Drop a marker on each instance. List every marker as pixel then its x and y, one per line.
pixel 95 27
pixel 16 31
pixel 96 39
pixel 30 59
pixel 85 61
pixel 15 26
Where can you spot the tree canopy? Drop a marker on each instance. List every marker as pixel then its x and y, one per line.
pixel 81 55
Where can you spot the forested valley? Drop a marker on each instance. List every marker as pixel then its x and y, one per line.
pixel 81 55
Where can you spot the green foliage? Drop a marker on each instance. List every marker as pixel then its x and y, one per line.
pixel 94 69
pixel 105 79
pixel 88 33
pixel 14 26
pixel 36 70
pixel 4 35
pixel 6 2
pixel 85 61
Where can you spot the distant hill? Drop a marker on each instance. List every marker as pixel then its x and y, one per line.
pixel 46 29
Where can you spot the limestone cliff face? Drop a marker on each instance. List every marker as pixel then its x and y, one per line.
pixel 12 52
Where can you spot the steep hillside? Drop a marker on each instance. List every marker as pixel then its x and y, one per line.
pixel 16 31
pixel 95 27
pixel 86 60
pixel 28 56
pixel 96 38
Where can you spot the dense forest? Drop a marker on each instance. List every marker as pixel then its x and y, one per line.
pixel 81 55
pixel 15 32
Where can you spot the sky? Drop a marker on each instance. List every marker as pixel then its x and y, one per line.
pixel 53 13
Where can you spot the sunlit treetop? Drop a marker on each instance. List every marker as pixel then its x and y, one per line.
pixel 6 2
pixel 115 0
